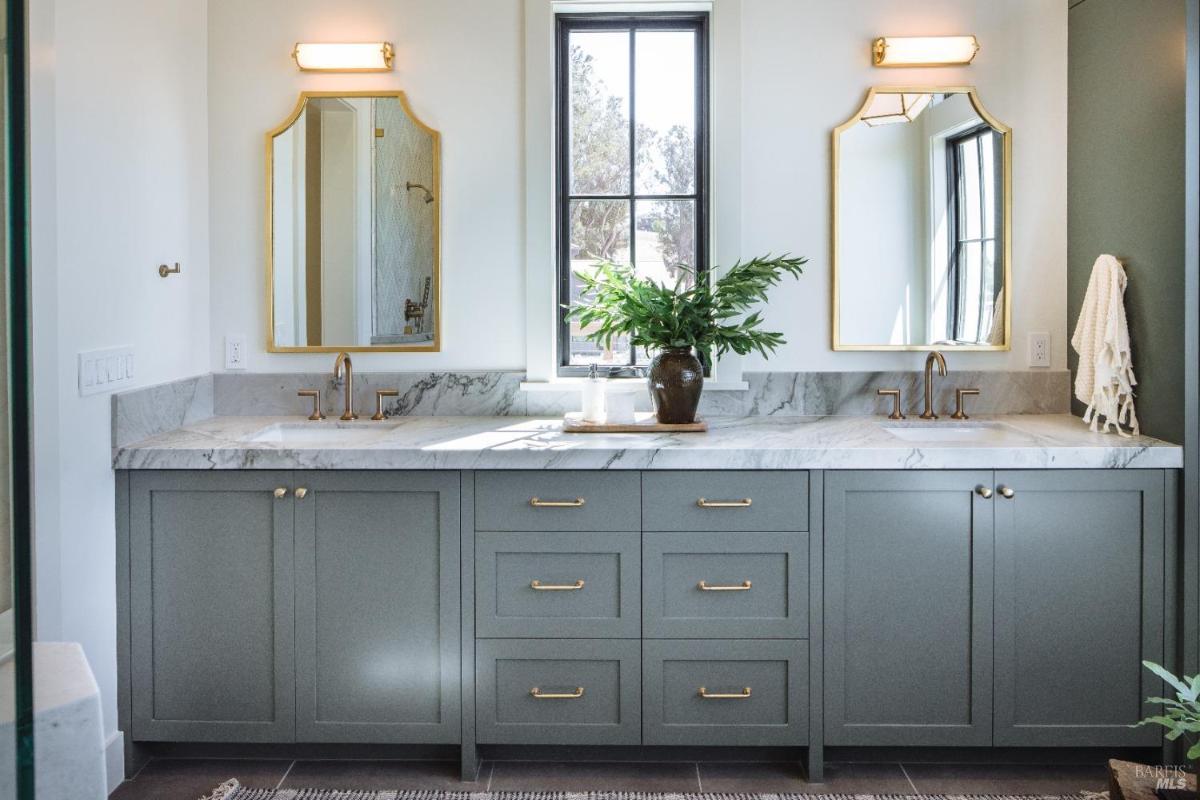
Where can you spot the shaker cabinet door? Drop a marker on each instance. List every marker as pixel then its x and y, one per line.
pixel 377 607
pixel 908 608
pixel 211 606
pixel 1079 605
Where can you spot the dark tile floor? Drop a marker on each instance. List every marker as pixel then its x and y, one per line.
pixel 180 779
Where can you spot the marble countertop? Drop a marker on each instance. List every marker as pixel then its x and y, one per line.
pixel 1053 441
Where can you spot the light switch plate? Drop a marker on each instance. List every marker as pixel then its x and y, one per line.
pixel 235 352
pixel 1039 349
pixel 105 370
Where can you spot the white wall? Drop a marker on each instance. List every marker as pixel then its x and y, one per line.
pixel 120 185
pixel 460 65
pixel 804 69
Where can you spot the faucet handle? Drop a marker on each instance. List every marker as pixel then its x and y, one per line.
pixel 379 395
pixel 959 411
pixel 315 394
pixel 895 395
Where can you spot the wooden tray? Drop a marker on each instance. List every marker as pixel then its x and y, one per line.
pixel 644 422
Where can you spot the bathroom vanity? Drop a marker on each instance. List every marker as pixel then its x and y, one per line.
pixel 795 582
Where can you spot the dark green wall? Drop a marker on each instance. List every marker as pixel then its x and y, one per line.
pixel 1126 183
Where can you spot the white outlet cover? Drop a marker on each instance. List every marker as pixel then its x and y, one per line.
pixel 1039 349
pixel 235 352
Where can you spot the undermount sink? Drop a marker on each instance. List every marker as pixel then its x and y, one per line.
pixel 321 434
pixel 964 432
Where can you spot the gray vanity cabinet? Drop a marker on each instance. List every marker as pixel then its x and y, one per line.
pixel 1079 605
pixel 1011 608
pixel 210 606
pixel 377 607
pixel 908 608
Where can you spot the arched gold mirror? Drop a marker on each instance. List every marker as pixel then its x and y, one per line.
pixel 353 226
pixel 922 223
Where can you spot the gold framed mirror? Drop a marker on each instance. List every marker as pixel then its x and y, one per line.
pixel 922 223
pixel 353 226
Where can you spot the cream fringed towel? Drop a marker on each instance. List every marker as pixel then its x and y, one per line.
pixel 1105 378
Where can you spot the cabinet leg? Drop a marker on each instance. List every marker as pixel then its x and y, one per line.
pixel 470 764
pixel 816 764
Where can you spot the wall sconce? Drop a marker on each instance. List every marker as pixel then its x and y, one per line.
pixel 354 57
pixel 924 51
pixel 889 108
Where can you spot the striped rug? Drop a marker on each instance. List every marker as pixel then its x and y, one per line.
pixel 232 790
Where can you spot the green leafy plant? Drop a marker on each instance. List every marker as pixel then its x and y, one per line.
pixel 709 316
pixel 1181 714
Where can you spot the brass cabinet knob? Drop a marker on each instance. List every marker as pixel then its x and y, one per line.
pixel 984 491
pixel 1007 493
pixel 301 493
pixel 280 493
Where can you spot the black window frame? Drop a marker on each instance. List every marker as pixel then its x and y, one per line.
pixel 954 186
pixel 565 24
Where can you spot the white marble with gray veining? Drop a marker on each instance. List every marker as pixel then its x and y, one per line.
pixel 1057 441
pixel 141 413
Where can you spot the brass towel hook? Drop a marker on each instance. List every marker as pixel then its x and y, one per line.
pixel 164 270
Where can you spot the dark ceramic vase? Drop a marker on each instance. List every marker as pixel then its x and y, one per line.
pixel 676 380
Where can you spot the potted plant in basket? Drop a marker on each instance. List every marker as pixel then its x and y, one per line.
pixel 680 322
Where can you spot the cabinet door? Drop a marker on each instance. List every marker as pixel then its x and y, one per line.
pixel 377 607
pixel 1079 605
pixel 211 607
pixel 908 608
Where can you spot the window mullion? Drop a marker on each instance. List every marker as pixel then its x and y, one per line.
pixel 632 165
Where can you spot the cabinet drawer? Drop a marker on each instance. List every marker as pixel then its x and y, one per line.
pixel 708 585
pixel 594 696
pixel 725 500
pixel 557 585
pixel 725 692
pixel 551 500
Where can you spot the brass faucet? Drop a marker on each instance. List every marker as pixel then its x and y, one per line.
pixel 934 356
pixel 343 376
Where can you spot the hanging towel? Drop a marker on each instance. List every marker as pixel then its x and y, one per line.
pixel 1105 378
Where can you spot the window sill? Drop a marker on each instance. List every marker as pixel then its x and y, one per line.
pixel 570 384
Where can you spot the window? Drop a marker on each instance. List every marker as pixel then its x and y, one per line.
pixel 976 264
pixel 632 168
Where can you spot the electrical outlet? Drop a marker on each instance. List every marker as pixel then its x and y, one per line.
pixel 235 352
pixel 1039 349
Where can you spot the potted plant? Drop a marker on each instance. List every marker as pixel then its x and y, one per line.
pixel 680 322
pixel 1181 716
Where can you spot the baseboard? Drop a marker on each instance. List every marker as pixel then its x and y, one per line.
pixel 114 760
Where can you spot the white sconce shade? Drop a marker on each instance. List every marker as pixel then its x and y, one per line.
pixel 924 51
pixel 351 57
pixel 890 108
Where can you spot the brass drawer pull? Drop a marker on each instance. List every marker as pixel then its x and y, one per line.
pixel 538 502
pixel 706 503
pixel 744 694
pixel 704 586
pixel 556 587
pixel 280 493
pixel 540 695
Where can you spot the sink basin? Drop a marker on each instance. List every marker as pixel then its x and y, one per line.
pixel 964 432
pixel 321 434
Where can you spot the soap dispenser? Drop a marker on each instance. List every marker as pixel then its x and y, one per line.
pixel 593 396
